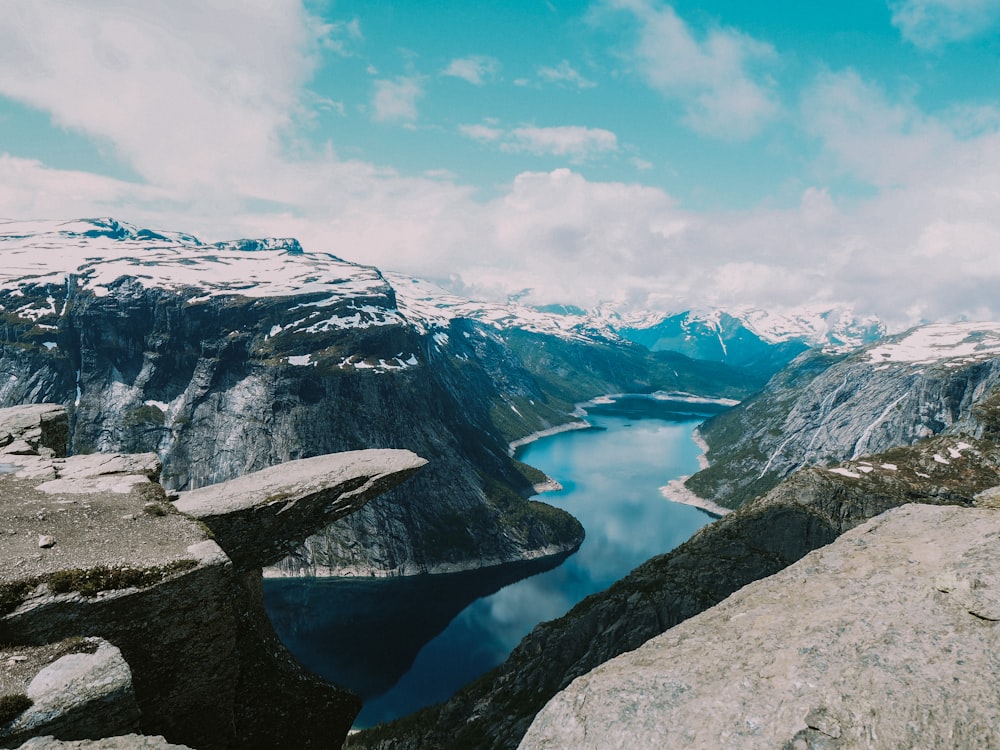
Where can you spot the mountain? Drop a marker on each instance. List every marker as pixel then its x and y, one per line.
pixel 226 358
pixel 826 407
pixel 759 340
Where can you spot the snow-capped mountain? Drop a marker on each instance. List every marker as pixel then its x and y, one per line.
pixel 225 358
pixel 761 340
pixel 933 379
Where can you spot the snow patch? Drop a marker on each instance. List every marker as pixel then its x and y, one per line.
pixel 845 472
pixel 930 344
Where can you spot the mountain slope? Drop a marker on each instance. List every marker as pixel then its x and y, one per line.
pixel 825 408
pixel 230 357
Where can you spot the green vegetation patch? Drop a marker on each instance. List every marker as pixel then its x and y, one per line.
pixel 12 594
pixel 103 578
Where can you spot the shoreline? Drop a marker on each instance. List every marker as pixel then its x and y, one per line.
pixel 675 492
pixel 515 444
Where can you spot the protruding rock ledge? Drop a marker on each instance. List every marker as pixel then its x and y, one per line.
pixel 885 638
pixel 260 517
pixel 90 546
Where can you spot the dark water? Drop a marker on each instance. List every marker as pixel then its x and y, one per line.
pixel 402 644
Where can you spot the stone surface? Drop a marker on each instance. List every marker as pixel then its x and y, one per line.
pixel 260 517
pixel 887 638
pixel 808 510
pixel 130 568
pixel 123 742
pixel 84 694
pixel 34 429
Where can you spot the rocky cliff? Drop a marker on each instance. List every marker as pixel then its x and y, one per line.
pixel 826 408
pixel 805 512
pixel 886 638
pixel 121 611
pixel 231 357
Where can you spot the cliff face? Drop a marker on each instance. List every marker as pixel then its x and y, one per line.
pixel 120 611
pixel 823 409
pixel 227 358
pixel 886 638
pixel 805 512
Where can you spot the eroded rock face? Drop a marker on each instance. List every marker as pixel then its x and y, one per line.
pixel 81 688
pixel 886 638
pixel 824 409
pixel 123 564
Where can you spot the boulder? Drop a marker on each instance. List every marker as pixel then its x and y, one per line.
pixel 886 638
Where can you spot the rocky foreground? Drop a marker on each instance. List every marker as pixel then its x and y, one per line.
pixel 889 637
pixel 123 612
pixel 810 509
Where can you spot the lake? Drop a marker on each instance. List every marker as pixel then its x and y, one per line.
pixel 405 643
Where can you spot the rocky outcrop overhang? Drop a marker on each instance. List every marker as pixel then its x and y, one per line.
pixel 93 552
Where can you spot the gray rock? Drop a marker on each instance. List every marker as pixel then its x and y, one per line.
pixel 34 429
pixel 858 645
pixel 123 742
pixel 79 696
pixel 261 517
pixel 131 568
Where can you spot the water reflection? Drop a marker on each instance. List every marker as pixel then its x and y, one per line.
pixel 365 634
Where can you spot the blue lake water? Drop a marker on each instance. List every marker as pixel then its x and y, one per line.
pixel 403 644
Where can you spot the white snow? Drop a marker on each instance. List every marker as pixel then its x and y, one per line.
pixel 889 467
pixel 929 344
pixel 300 360
pixel 97 252
pixel 941 459
pixel 845 472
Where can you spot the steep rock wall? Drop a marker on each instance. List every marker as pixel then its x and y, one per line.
pixel 222 386
pixel 823 409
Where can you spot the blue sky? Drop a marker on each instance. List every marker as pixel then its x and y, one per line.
pixel 645 154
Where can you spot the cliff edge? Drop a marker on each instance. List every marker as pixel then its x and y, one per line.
pixel 885 638
pixel 150 612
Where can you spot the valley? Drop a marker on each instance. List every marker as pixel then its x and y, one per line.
pixel 225 359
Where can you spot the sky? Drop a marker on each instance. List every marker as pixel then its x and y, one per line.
pixel 641 154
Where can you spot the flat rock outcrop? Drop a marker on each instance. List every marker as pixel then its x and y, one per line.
pixel 886 638
pixel 95 553
pixel 260 518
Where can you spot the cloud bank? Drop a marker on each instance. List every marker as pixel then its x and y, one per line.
pixel 211 131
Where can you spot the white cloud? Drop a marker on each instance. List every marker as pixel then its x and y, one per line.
pixel 198 103
pixel 484 133
pixel 476 69
pixel 712 78
pixel 576 143
pixel 396 100
pixel 932 23
pixel 184 92
pixel 566 75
